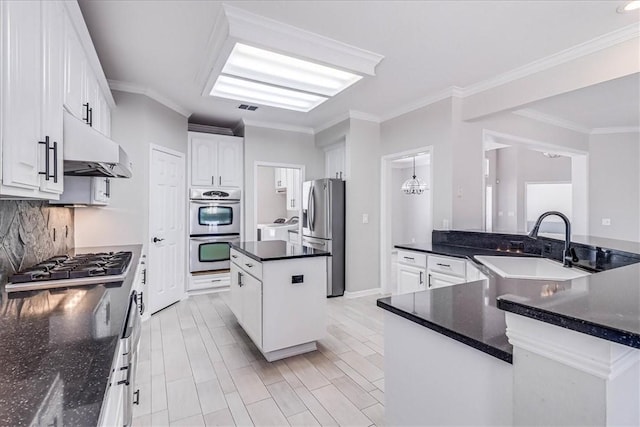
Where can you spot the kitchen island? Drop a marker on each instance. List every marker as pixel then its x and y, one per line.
pixel 58 349
pixel 278 294
pixel 563 353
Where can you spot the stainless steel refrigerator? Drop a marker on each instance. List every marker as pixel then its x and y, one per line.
pixel 323 226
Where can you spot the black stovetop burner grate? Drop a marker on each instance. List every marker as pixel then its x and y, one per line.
pixel 84 265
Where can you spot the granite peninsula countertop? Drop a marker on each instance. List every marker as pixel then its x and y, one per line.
pixel 605 304
pixel 57 347
pixel 274 250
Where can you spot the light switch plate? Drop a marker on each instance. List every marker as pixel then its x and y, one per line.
pixel 606 221
pixel 365 218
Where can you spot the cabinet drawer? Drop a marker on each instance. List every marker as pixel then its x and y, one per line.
pixel 236 257
pixel 252 267
pixel 446 265
pixel 412 258
pixel 208 282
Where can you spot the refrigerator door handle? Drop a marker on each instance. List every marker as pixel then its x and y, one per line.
pixel 311 213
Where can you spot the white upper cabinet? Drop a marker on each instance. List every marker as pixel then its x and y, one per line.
pixel 293 189
pixel 53 26
pixel 43 69
pixel 21 94
pixel 230 162
pixel 280 179
pixel 82 94
pixel 215 160
pixel 32 46
pixel 75 66
pixel 335 161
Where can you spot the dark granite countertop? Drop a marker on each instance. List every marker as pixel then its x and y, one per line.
pixel 274 250
pixel 57 347
pixel 472 313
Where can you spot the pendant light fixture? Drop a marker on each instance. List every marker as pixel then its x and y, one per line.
pixel 414 185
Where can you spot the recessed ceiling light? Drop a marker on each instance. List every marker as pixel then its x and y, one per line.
pixel 281 70
pixel 260 93
pixel 632 5
pixel 265 77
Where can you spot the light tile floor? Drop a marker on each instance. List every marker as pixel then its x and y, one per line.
pixel 197 367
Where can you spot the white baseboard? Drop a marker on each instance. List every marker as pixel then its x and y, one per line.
pixel 366 292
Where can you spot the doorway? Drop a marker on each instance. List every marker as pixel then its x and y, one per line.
pixel 166 227
pixel 278 202
pixel 405 218
pixel 524 178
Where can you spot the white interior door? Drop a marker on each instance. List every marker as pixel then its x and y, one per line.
pixel 166 228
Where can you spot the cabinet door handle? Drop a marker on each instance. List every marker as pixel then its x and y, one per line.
pixel 421 278
pixel 136 399
pixel 429 280
pixel 249 265
pixel 55 161
pixel 213 180
pixel 144 276
pixel 220 180
pixel 141 303
pixel 443 265
pixel 108 187
pixel 47 161
pixel 239 279
pixel 91 117
pixel 86 117
pixel 409 258
pixel 234 256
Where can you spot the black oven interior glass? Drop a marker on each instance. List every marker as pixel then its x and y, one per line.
pixel 214 251
pixel 215 215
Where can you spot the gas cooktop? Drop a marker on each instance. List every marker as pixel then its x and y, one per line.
pixel 64 270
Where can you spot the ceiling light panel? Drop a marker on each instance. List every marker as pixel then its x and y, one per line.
pixel 269 67
pixel 265 94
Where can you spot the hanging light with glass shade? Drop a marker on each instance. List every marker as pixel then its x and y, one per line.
pixel 414 185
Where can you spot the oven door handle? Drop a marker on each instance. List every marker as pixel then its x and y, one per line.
pixel 216 239
pixel 215 202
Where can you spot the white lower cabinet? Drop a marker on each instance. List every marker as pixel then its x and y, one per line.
pixel 410 279
pixel 418 271
pixel 412 269
pixel 208 282
pixel 280 304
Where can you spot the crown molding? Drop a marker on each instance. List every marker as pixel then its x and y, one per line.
pixel 551 120
pixel 359 115
pixel 449 92
pixel 591 46
pixel 150 93
pixel 268 32
pixel 619 129
pixel 278 126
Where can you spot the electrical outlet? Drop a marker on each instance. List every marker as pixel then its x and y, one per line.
pixel 606 221
pixel 365 218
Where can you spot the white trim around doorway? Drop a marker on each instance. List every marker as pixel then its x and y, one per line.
pixel 385 209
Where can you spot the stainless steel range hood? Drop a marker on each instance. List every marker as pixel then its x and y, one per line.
pixel 89 153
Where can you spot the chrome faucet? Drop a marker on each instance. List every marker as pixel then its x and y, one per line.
pixel 567 255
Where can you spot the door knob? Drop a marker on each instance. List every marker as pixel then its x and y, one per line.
pixel 156 240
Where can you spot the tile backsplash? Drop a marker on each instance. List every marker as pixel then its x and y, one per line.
pixel 30 232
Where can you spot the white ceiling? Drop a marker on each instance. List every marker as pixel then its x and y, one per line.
pixel 428 46
pixel 615 103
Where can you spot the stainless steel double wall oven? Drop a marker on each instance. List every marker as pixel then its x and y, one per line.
pixel 214 222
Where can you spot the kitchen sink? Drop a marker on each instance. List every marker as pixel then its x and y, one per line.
pixel 529 268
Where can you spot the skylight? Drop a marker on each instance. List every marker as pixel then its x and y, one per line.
pixel 265 77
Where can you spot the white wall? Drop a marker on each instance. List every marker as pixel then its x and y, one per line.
pixel 427 126
pixel 614 181
pixel 276 146
pixel 271 205
pixel 136 122
pixel 363 198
